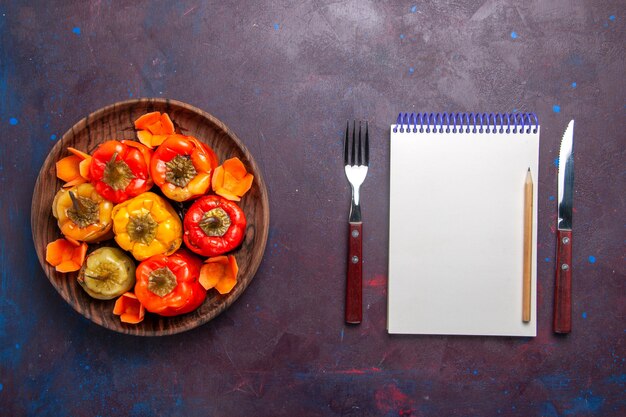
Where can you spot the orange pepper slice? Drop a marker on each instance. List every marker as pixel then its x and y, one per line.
pixel 129 308
pixel 145 137
pixel 83 165
pixel 153 128
pixel 231 180
pixel 68 168
pixel 80 154
pixel 156 128
pixel 83 168
pixel 76 181
pixel 149 139
pixel 167 124
pixel 147 119
pixel 74 169
pixel 65 256
pixel 219 272
pixel 72 240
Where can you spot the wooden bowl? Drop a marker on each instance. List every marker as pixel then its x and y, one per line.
pixel 116 122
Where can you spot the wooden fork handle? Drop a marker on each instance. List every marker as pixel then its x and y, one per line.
pixel 563 283
pixel 354 284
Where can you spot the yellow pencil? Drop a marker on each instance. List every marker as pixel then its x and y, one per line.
pixel 528 245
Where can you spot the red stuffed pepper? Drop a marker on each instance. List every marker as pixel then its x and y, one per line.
pixel 121 170
pixel 169 285
pixel 213 226
pixel 182 167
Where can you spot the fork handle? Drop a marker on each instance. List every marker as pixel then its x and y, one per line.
pixel 354 285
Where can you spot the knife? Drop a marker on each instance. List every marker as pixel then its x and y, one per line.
pixel 563 282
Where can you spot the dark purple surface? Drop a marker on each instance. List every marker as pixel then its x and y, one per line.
pixel 285 78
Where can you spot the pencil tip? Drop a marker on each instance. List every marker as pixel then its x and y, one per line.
pixel 528 169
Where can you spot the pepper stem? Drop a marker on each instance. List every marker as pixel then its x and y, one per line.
pixel 117 174
pixel 162 281
pixel 77 206
pixel 142 228
pixel 98 277
pixel 180 170
pixel 84 211
pixel 215 222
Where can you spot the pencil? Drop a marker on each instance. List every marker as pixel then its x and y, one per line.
pixel 528 245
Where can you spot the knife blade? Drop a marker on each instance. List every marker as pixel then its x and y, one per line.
pixel 563 276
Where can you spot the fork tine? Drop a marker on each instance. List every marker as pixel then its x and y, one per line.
pixel 359 159
pixel 367 145
pixel 345 144
pixel 353 154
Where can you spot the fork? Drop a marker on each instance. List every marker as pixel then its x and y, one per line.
pixel 356 161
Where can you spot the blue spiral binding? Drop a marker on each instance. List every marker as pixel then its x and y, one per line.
pixel 467 122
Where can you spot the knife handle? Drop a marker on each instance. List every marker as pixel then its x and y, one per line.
pixel 354 285
pixel 563 284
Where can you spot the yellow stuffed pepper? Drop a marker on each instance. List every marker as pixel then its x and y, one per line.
pixel 147 225
pixel 82 214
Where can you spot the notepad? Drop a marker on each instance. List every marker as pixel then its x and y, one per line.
pixel 456 227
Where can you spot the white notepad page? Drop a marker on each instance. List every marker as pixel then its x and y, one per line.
pixel 456 233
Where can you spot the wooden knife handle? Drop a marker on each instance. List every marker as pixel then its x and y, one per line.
pixel 563 284
pixel 354 285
